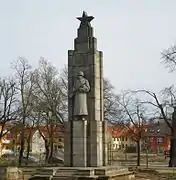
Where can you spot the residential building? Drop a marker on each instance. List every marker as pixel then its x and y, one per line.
pixel 158 137
pixel 37 143
pixel 35 137
pixel 121 138
pixel 155 137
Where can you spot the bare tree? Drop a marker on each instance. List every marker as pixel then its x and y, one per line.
pixel 48 90
pixel 24 78
pixel 49 132
pixel 48 102
pixel 161 103
pixel 64 89
pixel 8 106
pixel 169 57
pixel 29 131
pixel 134 117
pixel 112 112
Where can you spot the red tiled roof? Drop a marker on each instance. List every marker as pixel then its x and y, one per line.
pixel 116 131
pixel 58 131
pixel 123 131
pixel 55 131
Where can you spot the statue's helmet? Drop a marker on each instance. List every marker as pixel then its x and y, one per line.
pixel 80 73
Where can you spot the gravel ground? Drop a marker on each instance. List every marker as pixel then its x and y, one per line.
pixel 153 175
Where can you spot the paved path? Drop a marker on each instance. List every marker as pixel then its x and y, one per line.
pixel 133 163
pixel 161 167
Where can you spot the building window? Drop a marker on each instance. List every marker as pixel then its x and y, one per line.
pixel 151 130
pixel 160 139
pixel 131 139
pixel 60 140
pixel 126 139
pixel 60 146
pixel 122 138
pixel 38 135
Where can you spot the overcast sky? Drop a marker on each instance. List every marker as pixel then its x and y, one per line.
pixel 131 34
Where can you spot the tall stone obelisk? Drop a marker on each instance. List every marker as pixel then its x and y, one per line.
pixel 85 147
pixel 85 140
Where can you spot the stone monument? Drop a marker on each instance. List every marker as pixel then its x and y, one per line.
pixel 85 143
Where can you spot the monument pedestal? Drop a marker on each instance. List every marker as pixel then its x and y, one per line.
pixel 97 145
pixel 87 173
pixel 85 144
pixel 79 143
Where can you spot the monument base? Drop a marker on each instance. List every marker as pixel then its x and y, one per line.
pixel 83 173
pixel 79 143
pixel 85 143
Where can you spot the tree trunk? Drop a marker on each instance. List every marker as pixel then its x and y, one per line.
pixel 138 152
pixel 146 151
pixel 21 150
pixel 172 161
pixel 28 150
pixel 21 145
pixel 51 150
pixel 29 143
pixel 46 151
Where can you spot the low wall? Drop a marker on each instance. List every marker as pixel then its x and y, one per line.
pixel 10 173
pixel 15 173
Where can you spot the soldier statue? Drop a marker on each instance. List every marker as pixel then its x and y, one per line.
pixel 80 89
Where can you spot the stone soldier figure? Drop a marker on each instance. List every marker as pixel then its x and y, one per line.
pixel 80 89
